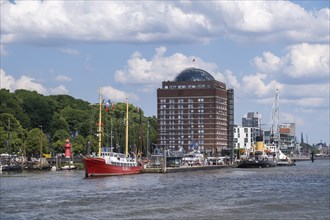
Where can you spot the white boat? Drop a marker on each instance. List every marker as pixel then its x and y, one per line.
pixel 193 158
pixel 69 167
pixel 282 159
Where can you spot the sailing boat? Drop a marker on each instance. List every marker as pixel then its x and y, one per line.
pixel 111 163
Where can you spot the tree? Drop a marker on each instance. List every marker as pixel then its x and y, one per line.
pixel 62 116
pixel 91 141
pixel 36 139
pixel 78 145
pixel 11 134
pixel 58 122
pixel 58 140
pixel 75 118
pixel 40 109
pixel 11 104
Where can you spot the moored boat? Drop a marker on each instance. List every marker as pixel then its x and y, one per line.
pixel 70 166
pixel 258 158
pixel 111 163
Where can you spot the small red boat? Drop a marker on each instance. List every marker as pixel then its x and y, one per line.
pixel 111 164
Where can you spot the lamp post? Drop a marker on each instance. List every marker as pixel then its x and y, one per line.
pixel 40 126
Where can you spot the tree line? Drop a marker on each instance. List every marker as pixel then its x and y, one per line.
pixel 29 120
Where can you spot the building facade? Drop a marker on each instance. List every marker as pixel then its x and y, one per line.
pixel 288 137
pixel 252 119
pixel 244 137
pixel 193 113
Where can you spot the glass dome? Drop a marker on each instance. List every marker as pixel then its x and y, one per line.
pixel 193 74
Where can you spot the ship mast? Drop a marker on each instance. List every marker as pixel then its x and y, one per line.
pixel 99 131
pixel 126 146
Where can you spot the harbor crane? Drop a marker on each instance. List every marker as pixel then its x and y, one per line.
pixel 274 119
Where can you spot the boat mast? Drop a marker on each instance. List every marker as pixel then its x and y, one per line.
pixel 99 131
pixel 126 148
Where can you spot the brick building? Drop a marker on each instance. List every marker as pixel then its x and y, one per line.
pixel 195 112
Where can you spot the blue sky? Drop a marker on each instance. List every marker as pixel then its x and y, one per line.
pixel 74 47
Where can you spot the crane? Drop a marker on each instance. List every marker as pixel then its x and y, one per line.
pixel 274 119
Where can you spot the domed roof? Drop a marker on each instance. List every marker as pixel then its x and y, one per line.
pixel 193 74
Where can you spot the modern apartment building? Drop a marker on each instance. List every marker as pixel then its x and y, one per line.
pixel 252 119
pixel 244 137
pixel 195 111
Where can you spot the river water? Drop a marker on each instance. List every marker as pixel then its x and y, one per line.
pixel 298 192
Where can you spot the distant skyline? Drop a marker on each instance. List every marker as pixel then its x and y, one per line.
pixel 130 48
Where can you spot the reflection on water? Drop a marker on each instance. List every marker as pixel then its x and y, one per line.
pixel 299 192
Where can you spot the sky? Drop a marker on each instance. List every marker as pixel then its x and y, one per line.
pixel 130 47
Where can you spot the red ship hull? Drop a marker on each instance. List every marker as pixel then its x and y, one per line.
pixel 98 167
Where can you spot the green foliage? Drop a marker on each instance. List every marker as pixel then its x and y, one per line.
pixel 62 117
pixel 58 140
pixel 36 140
pixel 74 117
pixel 11 134
pixel 58 123
pixel 10 103
pixel 78 145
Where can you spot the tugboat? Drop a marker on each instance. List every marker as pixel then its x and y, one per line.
pixel 258 158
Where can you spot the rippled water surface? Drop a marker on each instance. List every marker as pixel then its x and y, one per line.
pixel 299 192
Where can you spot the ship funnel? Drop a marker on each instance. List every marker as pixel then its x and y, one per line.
pixel 260 143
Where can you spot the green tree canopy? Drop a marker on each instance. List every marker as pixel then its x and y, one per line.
pixel 11 134
pixel 36 140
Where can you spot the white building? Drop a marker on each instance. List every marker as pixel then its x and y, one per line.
pixel 244 137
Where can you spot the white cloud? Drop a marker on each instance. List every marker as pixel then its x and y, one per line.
pixel 256 85
pixel 25 82
pixel 301 60
pixel 61 89
pixel 306 90
pixel 231 80
pixel 287 117
pixel 140 70
pixel 28 83
pixel 268 62
pixel 273 20
pixel 63 78
pixel 161 21
pixel 6 81
pixel 308 60
pixel 117 95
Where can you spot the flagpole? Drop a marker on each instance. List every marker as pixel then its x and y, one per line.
pixel 126 138
pixel 100 122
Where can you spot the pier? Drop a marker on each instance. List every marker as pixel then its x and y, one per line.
pixel 183 169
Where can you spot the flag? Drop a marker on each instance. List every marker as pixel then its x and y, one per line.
pixel 107 104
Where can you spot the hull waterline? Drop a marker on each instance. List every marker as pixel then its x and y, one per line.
pixel 256 164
